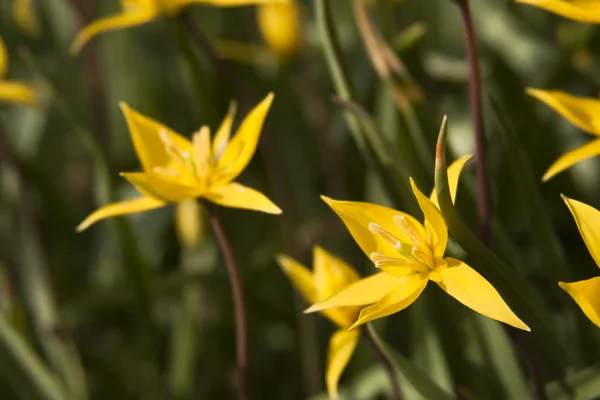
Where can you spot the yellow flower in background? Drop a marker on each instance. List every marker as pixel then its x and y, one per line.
pixel 586 293
pixel 579 10
pixel 330 275
pixel 26 18
pixel 410 254
pixel 189 223
pixel 13 91
pixel 139 12
pixel 280 26
pixel 176 169
pixel 581 112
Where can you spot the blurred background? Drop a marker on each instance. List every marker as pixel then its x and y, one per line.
pixel 140 307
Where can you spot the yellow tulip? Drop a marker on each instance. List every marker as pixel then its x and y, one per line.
pixel 410 254
pixel 139 12
pixel 579 10
pixel 176 169
pixel 13 91
pixel 586 293
pixel 279 24
pixel 330 275
pixel 581 112
pixel 25 17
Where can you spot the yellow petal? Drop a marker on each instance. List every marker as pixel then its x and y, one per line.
pixel 572 157
pixel 146 136
pixel 228 3
pixel 357 216
pixel 3 59
pixel 332 274
pixel 300 276
pixel 160 187
pixel 240 196
pixel 579 10
pixel 189 223
pixel 454 171
pixel 474 291
pixel 582 112
pixel 407 291
pixel 587 295
pixel 588 223
pixel 25 17
pixel 241 148
pixel 341 348
pixel 16 92
pixel 279 24
pixel 142 14
pixel 224 132
pixel 434 222
pixel 125 207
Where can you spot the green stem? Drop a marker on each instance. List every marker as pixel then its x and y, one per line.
pixel 369 333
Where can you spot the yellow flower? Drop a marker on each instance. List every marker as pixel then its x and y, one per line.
pixel 176 169
pixel 581 112
pixel 579 10
pixel 12 91
pixel 279 24
pixel 25 17
pixel 138 12
pixel 586 293
pixel 330 275
pixel 410 254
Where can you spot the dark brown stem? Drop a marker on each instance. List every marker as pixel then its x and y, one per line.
pixel 385 363
pixel 237 292
pixel 530 360
pixel 483 186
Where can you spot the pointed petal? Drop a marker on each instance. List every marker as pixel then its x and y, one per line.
pixel 409 289
pixel 588 223
pixel 3 59
pixel 300 276
pixel 158 186
pixel 241 148
pixel 239 196
pixel 572 157
pixel 366 291
pixel 115 22
pixel 582 112
pixel 434 222
pixel 474 291
pixel 16 92
pixel 331 273
pixel 579 10
pixel 224 132
pixel 587 295
pixel 146 137
pixel 357 216
pixel 341 347
pixel 454 171
pixel 125 207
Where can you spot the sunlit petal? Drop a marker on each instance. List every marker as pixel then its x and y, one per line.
pixel 454 171
pixel 239 196
pixel 332 274
pixel 224 132
pixel 588 223
pixel 279 24
pixel 587 295
pixel 125 207
pixel 582 112
pixel 357 216
pixel 241 148
pixel 365 291
pixel 579 10
pixel 16 92
pixel 434 222
pixel 572 157
pixel 300 276
pixel 160 187
pixel 474 291
pixel 407 291
pixel 341 348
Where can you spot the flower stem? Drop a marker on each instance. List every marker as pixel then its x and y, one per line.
pixel 367 333
pixel 238 300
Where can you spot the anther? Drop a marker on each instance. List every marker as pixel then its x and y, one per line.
pixel 384 234
pixel 410 229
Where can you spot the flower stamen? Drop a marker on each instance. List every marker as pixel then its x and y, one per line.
pixel 410 230
pixel 384 234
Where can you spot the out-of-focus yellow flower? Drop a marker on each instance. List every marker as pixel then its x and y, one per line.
pixel 176 169
pixel 12 91
pixel 586 293
pixel 330 275
pixel 581 112
pixel 280 25
pixel 579 10
pixel 138 12
pixel 189 223
pixel 410 254
pixel 26 17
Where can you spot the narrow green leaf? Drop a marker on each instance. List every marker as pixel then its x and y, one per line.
pixel 582 385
